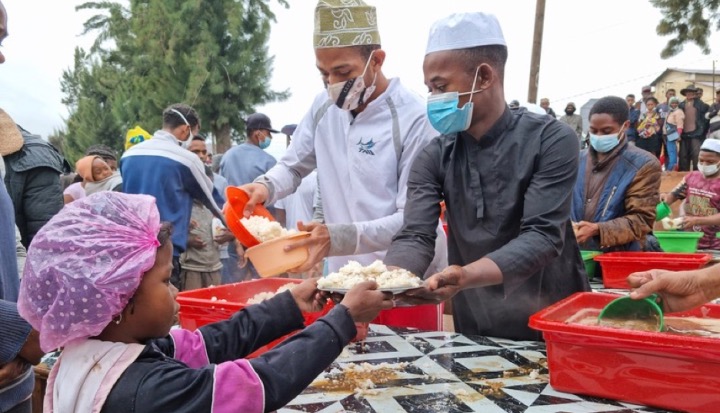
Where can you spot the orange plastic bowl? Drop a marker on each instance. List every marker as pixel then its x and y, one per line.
pixel 270 258
pixel 233 210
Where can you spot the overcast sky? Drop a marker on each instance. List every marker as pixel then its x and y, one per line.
pixel 590 49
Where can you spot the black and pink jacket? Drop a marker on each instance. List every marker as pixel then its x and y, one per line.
pixel 204 371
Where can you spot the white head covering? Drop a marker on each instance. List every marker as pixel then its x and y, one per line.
pixel 711 145
pixel 463 31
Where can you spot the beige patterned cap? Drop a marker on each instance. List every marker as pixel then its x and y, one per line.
pixel 343 23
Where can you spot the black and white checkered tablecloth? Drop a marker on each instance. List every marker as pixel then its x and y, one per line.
pixel 449 372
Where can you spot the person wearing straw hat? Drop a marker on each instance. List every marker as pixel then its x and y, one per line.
pixel 694 131
pixel 19 343
pixel 701 192
pixel 362 134
pixel 506 176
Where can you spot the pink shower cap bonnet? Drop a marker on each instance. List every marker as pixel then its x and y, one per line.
pixel 86 263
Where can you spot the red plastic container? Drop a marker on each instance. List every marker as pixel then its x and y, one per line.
pixel 616 266
pixel 206 305
pixel 657 369
pixel 424 317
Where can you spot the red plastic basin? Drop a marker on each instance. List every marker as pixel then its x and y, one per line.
pixel 616 266
pixel 198 308
pixel 424 317
pixel 657 369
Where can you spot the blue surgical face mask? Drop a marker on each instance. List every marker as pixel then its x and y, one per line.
pixel 265 143
pixel 445 115
pixel 605 143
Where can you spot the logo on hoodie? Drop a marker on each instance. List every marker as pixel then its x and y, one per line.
pixel 366 147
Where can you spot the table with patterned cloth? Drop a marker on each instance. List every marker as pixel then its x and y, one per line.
pixel 443 372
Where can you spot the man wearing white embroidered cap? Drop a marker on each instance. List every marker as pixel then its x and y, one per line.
pixel 362 134
pixel 701 192
pixel 506 177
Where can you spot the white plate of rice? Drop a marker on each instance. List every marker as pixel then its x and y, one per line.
pixel 389 280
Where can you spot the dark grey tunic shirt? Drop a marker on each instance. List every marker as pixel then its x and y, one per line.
pixel 508 199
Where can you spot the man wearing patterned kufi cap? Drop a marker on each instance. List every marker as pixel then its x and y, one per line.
pixel 345 23
pixel 362 134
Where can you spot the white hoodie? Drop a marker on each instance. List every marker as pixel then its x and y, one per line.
pixel 363 165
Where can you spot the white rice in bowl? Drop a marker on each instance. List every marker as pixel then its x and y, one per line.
pixel 263 229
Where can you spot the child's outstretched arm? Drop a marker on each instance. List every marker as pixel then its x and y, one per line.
pixel 155 383
pixel 246 331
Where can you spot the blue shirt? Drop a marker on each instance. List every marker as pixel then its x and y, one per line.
pixel 243 163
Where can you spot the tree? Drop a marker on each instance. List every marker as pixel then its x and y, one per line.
pixel 688 21
pixel 88 90
pixel 211 54
pixel 57 140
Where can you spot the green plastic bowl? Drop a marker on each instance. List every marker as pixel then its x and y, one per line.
pixel 590 264
pixel 678 241
pixel 662 210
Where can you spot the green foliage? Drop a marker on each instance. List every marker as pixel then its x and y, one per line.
pixel 88 89
pixel 57 139
pixel 211 54
pixel 687 21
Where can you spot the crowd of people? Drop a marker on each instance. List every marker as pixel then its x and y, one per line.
pixel 370 166
pixel 672 130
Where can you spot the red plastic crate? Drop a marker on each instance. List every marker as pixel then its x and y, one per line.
pixel 424 317
pixel 205 305
pixel 657 369
pixel 616 266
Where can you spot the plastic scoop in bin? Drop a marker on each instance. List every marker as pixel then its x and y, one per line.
pixel 625 308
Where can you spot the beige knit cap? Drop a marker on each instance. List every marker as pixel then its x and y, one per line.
pixel 342 23
pixel 11 139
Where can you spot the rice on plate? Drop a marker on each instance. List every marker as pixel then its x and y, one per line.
pixel 354 273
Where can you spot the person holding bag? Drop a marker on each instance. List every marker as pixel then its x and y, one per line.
pixel 672 131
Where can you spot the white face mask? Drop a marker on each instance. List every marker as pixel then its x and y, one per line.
pixel 185 144
pixel 352 93
pixel 709 170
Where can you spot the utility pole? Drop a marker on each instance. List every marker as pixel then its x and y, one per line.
pixel 536 51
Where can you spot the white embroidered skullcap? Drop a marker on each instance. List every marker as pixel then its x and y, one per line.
pixel 711 145
pixel 463 31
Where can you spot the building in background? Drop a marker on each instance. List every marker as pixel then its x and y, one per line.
pixel 674 78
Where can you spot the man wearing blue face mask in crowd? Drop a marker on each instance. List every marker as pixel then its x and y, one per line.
pixel 618 184
pixel 506 177
pixel 361 134
pixel 241 165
